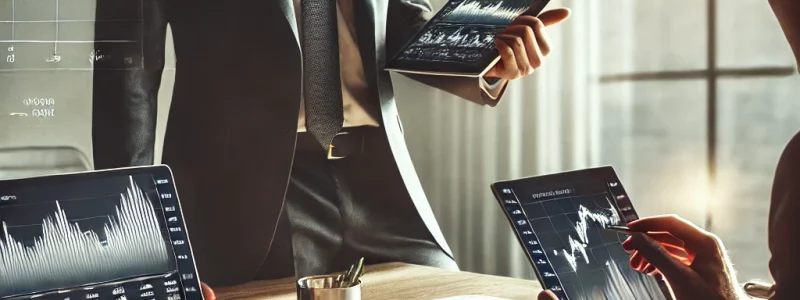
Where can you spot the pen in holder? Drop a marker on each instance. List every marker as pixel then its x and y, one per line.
pixel 326 287
pixel 345 286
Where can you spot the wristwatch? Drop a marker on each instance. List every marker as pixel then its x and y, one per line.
pixel 759 290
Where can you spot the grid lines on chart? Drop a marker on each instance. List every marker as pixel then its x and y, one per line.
pixel 42 35
pixel 555 221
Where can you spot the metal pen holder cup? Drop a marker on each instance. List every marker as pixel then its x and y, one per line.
pixel 324 287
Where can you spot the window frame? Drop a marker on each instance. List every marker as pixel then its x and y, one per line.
pixel 712 73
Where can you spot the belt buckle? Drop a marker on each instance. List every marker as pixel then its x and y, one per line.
pixel 331 147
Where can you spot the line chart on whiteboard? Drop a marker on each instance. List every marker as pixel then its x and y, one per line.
pixel 48 35
pixel 82 241
pixel 589 260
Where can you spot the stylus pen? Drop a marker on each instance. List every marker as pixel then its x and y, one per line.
pixel 624 229
pixel 620 229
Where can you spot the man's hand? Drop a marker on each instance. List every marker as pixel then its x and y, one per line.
pixel 208 293
pixel 524 44
pixel 691 260
pixel 547 295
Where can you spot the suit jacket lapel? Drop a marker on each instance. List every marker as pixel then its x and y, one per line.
pixel 287 7
pixel 370 29
pixel 371 24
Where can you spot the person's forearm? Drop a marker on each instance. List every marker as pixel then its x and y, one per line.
pixel 788 14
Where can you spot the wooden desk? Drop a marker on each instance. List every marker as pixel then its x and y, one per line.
pixel 400 281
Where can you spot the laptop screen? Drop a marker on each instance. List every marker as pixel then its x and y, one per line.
pixel 460 38
pixel 115 234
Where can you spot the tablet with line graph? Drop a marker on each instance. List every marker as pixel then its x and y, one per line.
pixel 114 234
pixel 561 220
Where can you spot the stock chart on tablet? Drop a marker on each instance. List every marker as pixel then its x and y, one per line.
pixel 560 219
pixel 115 234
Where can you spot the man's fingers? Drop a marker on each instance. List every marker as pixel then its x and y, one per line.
pixel 673 245
pixel 539 34
pixel 208 294
pixel 656 255
pixel 547 295
pixel 495 72
pixel 650 270
pixel 512 52
pixel 627 244
pixel 693 236
pixel 534 54
pixel 640 264
pixel 524 44
pixel 637 261
pixel 666 238
pixel 550 17
pixel 506 55
pixel 554 16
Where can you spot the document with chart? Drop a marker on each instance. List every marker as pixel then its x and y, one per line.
pixel 560 219
pixel 459 39
pixel 116 234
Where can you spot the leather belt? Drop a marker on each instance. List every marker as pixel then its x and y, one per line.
pixel 348 142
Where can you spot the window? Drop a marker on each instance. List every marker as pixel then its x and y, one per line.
pixel 698 101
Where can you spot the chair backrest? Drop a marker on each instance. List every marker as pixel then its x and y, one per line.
pixel 35 161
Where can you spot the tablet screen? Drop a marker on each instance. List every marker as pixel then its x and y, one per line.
pixel 459 39
pixel 116 234
pixel 560 220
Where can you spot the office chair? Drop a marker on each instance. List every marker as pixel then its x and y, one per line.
pixel 20 162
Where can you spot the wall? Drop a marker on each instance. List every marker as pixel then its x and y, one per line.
pixel 48 105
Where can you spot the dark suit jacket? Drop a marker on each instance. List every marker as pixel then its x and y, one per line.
pixel 233 119
pixel 784 223
pixel 784 211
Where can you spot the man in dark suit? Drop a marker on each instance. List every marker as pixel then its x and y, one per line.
pixel 280 145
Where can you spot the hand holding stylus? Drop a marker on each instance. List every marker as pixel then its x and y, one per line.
pixel 691 260
pixel 674 246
